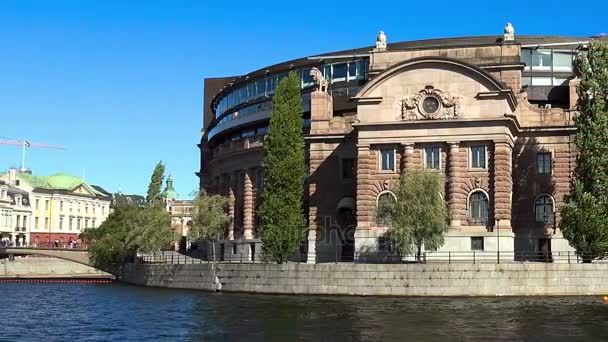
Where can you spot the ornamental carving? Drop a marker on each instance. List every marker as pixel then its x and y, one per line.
pixel 430 104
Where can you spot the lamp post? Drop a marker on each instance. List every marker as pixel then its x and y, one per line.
pixel 498 240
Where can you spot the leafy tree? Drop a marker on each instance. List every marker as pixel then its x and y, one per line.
pixel 585 213
pixel 154 196
pixel 127 231
pixel 418 215
pixel 209 218
pixel 281 216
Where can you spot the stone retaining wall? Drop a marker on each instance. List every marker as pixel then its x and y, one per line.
pixel 47 268
pixel 367 279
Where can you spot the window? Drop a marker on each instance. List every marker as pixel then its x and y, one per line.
pixel 46 223
pixel 541 60
pixel 478 207
pixel 94 226
pixel 478 157
pixel 61 223
pixel 384 206
pixel 36 222
pixel 543 163
pixel 432 157
pixel 61 206
pixel 477 243
pixel 78 224
pixel 37 204
pixel 339 72
pixel 348 169
pixel 46 205
pixel 387 159
pixel 562 61
pixel 71 223
pixel 543 208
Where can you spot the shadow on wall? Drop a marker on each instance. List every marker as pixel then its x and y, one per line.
pixel 534 208
pixel 333 183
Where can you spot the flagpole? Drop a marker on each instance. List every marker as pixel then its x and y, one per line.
pixel 23 157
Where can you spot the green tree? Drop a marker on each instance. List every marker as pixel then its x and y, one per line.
pixel 127 231
pixel 281 216
pixel 585 214
pixel 418 215
pixel 154 196
pixel 209 218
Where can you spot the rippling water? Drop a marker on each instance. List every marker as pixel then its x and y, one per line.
pixel 106 312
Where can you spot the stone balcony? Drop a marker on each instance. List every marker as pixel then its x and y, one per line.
pixel 237 146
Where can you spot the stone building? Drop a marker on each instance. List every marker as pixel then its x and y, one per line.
pixel 58 207
pixel 492 113
pixel 15 215
pixel 179 209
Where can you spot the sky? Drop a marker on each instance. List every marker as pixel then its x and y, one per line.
pixel 120 83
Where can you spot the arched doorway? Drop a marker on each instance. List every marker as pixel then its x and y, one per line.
pixel 347 221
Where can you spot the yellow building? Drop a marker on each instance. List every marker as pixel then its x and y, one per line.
pixel 62 206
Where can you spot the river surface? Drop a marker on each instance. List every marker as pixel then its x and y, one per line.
pixel 116 312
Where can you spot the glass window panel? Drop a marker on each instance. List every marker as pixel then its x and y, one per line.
pixel 477 243
pixel 526 57
pixel 541 81
pixel 541 60
pixel 339 71
pixel 526 81
pixel 562 61
pixel 478 207
pixel 543 208
pixel 478 157
pixel 362 68
pixel 271 83
pixel 327 72
pixel 306 78
pixel 352 70
pixel 543 163
pixel 432 157
pixel 560 81
pixel 387 156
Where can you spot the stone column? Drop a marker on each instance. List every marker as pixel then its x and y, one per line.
pixel 247 206
pixel 231 203
pixel 457 198
pixel 366 198
pixel 408 156
pixel 503 183
pixel 311 257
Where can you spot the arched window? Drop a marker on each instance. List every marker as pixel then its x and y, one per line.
pixel 383 207
pixel 478 207
pixel 543 209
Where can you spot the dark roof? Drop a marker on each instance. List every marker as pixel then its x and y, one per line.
pixel 67 192
pixel 211 87
pixel 102 190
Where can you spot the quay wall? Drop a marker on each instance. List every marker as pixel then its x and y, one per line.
pixel 41 267
pixel 509 279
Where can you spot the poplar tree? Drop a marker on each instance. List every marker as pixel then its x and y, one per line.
pixel 585 213
pixel 281 215
pixel 154 196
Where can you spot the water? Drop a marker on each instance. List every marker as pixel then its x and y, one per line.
pixel 116 312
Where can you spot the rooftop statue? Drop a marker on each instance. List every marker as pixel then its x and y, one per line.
pixel 509 33
pixel 381 41
pixel 320 81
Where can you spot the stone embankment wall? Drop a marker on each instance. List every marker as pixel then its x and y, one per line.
pixel 47 268
pixel 513 279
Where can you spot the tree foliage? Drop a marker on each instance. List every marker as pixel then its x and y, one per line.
pixel 585 213
pixel 282 221
pixel 418 215
pixel 154 196
pixel 209 218
pixel 127 231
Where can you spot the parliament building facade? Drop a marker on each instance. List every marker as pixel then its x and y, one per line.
pixel 494 114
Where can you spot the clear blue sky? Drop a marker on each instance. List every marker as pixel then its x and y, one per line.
pixel 119 83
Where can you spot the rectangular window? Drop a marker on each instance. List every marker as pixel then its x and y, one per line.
pixel 306 78
pixel 46 205
pixel 339 72
pixel 542 81
pixel 526 58
pixel 61 206
pixel 78 224
pixel 432 157
pixel 36 222
pixel 71 223
pixel 37 204
pixel 541 60
pixel 348 169
pixel 46 223
pixel 352 71
pixel 478 157
pixel 387 159
pixel 543 163
pixel 562 61
pixel 61 223
pixel 477 243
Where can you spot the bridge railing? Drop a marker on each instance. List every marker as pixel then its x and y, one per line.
pixel 47 245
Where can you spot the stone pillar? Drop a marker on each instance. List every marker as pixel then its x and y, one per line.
pixel 247 206
pixel 311 257
pixel 231 203
pixel 457 198
pixel 365 196
pixel 503 183
pixel 321 112
pixel 408 156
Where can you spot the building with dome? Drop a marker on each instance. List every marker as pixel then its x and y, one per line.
pixel 179 209
pixel 494 114
pixel 60 206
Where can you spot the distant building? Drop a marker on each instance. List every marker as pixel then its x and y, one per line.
pixel 179 209
pixel 121 200
pixel 15 215
pixel 60 206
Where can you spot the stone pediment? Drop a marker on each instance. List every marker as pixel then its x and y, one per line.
pixel 429 104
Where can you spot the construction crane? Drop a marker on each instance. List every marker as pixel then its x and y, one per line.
pixel 24 144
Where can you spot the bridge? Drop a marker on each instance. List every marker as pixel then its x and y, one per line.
pixel 80 256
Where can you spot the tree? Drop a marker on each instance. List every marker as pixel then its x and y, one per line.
pixel 585 214
pixel 417 215
pixel 154 196
pixel 281 216
pixel 127 231
pixel 209 218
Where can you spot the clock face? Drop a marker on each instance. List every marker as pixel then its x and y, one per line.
pixel 430 104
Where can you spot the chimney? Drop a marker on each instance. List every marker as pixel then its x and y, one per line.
pixel 12 176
